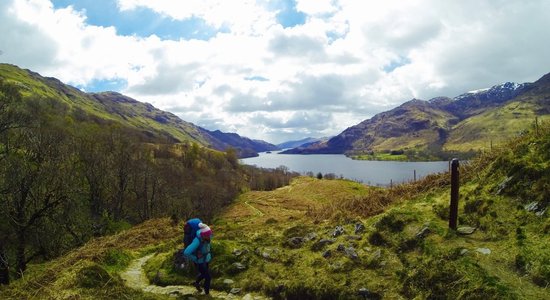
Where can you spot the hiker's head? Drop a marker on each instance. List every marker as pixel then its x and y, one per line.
pixel 205 232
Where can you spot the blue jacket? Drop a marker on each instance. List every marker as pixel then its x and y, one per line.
pixel 191 250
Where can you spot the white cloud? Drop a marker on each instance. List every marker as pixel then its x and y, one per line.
pixel 350 60
pixel 240 16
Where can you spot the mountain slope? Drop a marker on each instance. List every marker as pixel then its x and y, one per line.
pixel 443 126
pixel 112 107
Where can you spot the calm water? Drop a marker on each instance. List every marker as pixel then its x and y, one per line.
pixel 369 172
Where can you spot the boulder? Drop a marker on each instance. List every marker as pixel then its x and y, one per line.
pixel 465 230
pixel 485 251
pixel 351 253
pixel 503 185
pixel 239 266
pixel 311 236
pixel 295 242
pixel 423 232
pixel 353 237
pixel 359 228
pixel 327 254
pixel 320 244
pixel 339 230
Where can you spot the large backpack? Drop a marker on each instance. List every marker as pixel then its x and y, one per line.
pixel 190 231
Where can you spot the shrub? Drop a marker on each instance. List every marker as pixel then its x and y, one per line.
pixel 94 276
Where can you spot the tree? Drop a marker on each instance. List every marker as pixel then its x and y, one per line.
pixel 35 183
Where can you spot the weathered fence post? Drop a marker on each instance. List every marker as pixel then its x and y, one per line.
pixel 453 211
pixel 414 175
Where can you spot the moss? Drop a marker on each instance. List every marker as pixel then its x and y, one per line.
pixel 95 276
pixel 117 259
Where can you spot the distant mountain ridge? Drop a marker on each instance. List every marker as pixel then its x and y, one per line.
pixel 444 126
pixel 108 107
pixel 298 143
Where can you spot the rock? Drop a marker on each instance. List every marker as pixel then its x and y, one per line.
pixel 238 266
pixel 364 292
pixel 354 237
pixel 327 254
pixel 311 236
pixel 540 213
pixel 376 255
pixel 341 248
pixel 248 297
pixel 295 242
pixel 465 230
pixel 464 251
pixel 235 291
pixel 228 281
pixel 321 244
pixel 237 252
pixel 359 228
pixel 503 185
pixel 423 232
pixel 485 251
pixel 351 253
pixel 339 230
pixel 533 206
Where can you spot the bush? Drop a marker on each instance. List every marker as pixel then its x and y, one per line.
pixel 116 258
pixel 94 276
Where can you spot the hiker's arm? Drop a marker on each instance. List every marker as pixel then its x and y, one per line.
pixel 191 249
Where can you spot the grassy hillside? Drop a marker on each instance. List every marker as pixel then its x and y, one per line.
pixel 336 239
pixel 104 107
pixel 496 125
pixel 108 108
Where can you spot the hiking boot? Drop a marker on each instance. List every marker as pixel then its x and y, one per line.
pixel 197 285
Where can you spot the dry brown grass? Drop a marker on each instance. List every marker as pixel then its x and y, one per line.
pixel 378 199
pixel 296 201
pixel 44 281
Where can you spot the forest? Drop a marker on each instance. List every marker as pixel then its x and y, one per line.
pixel 66 177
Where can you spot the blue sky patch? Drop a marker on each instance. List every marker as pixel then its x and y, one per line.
pixel 288 16
pixel 104 85
pixel 141 22
pixel 394 64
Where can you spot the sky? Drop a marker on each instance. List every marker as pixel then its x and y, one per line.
pixel 278 70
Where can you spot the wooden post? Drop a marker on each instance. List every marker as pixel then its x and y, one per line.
pixel 537 125
pixel 391 183
pixel 414 175
pixel 453 211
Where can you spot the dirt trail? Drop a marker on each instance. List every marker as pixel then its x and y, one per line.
pixel 134 276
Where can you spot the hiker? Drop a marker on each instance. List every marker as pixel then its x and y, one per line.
pixel 199 252
pixel 190 228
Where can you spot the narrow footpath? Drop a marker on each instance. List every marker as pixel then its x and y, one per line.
pixel 134 277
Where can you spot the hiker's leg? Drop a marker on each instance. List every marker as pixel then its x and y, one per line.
pixel 203 268
pixel 197 284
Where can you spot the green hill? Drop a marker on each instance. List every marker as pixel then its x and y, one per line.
pixel 336 239
pixel 150 123
pixel 442 127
